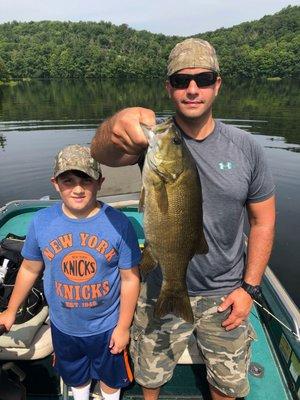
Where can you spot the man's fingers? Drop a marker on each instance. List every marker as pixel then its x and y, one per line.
pixel 232 322
pixel 127 133
pixel 124 142
pixel 147 117
pixel 225 304
pixel 232 326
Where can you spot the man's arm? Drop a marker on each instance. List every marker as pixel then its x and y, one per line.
pixel 130 287
pixel 27 275
pixel 120 140
pixel 260 241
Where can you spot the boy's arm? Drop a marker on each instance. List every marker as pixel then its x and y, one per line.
pixel 120 140
pixel 130 287
pixel 27 275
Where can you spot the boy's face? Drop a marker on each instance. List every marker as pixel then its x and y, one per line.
pixel 78 192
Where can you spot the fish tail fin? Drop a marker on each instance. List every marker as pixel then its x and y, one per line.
pixel 174 303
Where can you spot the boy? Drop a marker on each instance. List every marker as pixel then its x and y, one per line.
pixel 91 280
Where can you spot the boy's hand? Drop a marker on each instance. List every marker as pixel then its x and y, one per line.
pixel 126 131
pixel 119 340
pixel 7 318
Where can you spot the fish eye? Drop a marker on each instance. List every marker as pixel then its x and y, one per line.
pixel 176 140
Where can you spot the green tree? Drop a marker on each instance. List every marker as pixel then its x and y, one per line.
pixel 4 74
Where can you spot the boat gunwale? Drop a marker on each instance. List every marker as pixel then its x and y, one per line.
pixel 279 292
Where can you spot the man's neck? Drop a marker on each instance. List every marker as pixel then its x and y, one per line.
pixel 197 129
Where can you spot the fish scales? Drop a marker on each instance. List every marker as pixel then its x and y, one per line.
pixel 173 223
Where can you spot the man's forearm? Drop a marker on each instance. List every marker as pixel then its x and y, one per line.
pixel 259 249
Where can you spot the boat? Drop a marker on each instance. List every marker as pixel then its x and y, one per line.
pixel 274 371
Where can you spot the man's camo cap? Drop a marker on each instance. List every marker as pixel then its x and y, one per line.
pixel 76 157
pixel 192 53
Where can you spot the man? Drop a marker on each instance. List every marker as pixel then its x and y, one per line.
pixel 222 284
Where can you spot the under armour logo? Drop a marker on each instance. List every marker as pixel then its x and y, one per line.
pixel 225 165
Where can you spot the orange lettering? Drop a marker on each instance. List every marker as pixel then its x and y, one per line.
pixel 56 246
pixel 58 286
pixel 66 240
pixel 86 292
pixel 92 241
pixel 110 254
pixel 47 253
pixel 77 292
pixel 102 246
pixel 68 292
pixel 83 237
pixel 105 287
pixel 96 291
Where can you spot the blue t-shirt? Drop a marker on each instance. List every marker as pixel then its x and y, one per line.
pixel 82 261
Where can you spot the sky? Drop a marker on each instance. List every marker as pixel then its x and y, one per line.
pixel 176 17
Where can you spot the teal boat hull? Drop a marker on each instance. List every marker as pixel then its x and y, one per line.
pixel 275 353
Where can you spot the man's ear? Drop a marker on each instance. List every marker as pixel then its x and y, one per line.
pixel 218 85
pixel 168 88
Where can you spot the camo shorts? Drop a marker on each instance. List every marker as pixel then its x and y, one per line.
pixel 157 344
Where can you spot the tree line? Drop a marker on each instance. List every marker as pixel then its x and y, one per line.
pixel 265 48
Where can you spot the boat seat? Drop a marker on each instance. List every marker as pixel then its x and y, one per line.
pixel 191 354
pixel 24 343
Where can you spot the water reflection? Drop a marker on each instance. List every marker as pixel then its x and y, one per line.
pixel 270 108
pixel 2 141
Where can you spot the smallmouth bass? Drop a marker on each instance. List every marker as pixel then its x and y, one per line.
pixel 171 199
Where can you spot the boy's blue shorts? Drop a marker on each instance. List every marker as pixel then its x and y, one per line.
pixel 80 359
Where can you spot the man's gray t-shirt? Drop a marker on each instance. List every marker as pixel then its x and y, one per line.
pixel 233 172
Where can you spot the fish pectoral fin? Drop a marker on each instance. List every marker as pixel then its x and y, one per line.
pixel 148 262
pixel 177 303
pixel 202 246
pixel 142 200
pixel 162 197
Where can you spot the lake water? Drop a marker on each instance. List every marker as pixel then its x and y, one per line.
pixel 38 118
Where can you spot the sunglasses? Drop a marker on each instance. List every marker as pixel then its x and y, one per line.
pixel 182 81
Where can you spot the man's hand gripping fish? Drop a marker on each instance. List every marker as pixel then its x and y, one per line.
pixel 171 199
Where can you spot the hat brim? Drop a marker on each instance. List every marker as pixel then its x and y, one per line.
pixel 90 172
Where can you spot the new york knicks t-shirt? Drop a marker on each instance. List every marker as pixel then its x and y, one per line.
pixel 82 260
